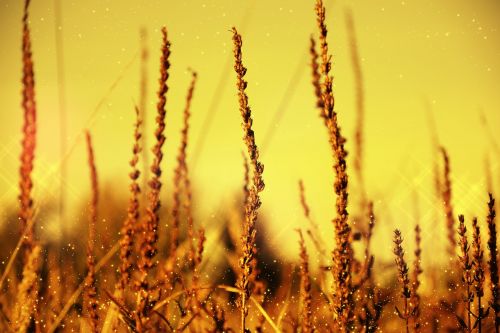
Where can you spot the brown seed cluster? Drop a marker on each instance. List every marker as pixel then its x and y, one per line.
pixel 246 263
pixel 29 137
pixel 343 254
pixel 130 225
pixel 403 278
pixel 466 265
pixel 149 235
pixel 478 271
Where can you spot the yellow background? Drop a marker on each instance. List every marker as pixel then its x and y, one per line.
pixel 416 55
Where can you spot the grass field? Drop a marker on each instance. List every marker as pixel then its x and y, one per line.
pixel 139 255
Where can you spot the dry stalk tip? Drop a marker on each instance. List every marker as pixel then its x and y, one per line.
pixel 247 260
pixel 150 225
pixel 342 256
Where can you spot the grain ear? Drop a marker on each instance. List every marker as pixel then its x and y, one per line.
pixel 149 239
pixel 248 264
pixel 478 273
pixel 404 279
pixel 343 257
pixel 131 225
pixel 29 131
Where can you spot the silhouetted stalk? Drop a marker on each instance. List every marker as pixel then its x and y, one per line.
pixel 150 226
pixel 342 256
pixel 478 270
pixel 403 278
pixel 417 271
pixel 29 138
pixel 492 263
pixel 130 224
pixel 247 264
pixel 466 266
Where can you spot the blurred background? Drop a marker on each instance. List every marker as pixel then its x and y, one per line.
pixel 425 64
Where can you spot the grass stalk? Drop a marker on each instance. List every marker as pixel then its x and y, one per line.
pixel 257 184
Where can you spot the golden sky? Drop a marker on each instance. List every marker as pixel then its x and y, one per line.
pixel 417 55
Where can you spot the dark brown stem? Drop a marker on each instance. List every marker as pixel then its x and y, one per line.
pixel 466 266
pixel 417 270
pixel 479 277
pixel 492 263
